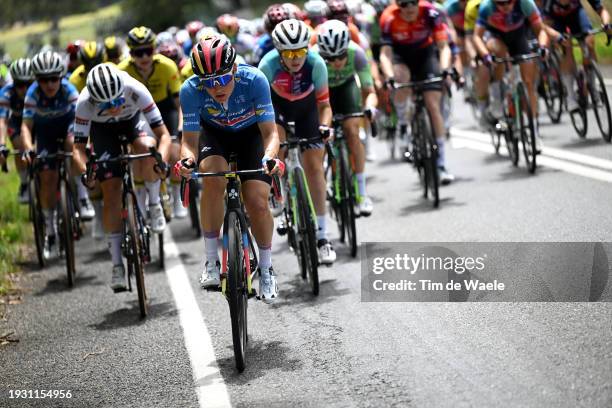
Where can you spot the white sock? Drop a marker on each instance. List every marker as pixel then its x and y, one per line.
pixel 210 243
pixel 441 152
pixel 265 257
pixel 153 189
pixel 176 192
pixel 23 176
pixel 361 183
pixel 49 216
pixel 114 247
pixel 568 81
pixel 81 189
pixel 322 231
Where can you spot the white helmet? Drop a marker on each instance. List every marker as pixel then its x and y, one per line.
pixel 316 9
pixel 291 35
pixel 48 64
pixel 104 83
pixel 333 38
pixel 21 70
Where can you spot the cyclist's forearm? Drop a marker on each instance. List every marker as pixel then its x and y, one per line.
pixel 371 100
pixel 26 134
pixel 541 34
pixel 164 141
pixel 270 139
pixel 445 55
pixel 605 16
pixel 189 146
pixel 386 61
pixel 481 47
pixel 325 113
pixel 177 103
pixel 3 131
pixel 80 157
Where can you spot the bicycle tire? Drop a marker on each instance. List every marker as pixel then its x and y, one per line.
pixel 510 130
pixel 135 253
pixel 429 156
pixel 67 230
pixel 526 128
pixel 578 117
pixel 38 222
pixel 348 202
pixel 552 90
pixel 307 230
pixel 194 212
pixel 162 254
pixel 599 98
pixel 237 296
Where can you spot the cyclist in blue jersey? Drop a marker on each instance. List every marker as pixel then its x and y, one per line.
pixel 227 108
pixel 273 15
pixel 48 114
pixel 510 24
pixel 300 93
pixel 11 108
pixel 563 15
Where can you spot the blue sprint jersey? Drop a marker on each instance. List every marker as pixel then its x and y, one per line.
pixel 249 103
pixel 11 106
pixel 43 110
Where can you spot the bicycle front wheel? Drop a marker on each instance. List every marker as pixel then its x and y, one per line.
pixel 348 202
pixel 526 127
pixel 67 229
pixel 237 293
pixel 38 221
pixel 429 158
pixel 578 117
pixel 307 231
pixel 194 209
pixel 134 249
pixel 552 90
pixel 599 99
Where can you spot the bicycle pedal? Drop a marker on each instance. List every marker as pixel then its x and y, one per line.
pixel 213 289
pixel 253 294
pixel 119 290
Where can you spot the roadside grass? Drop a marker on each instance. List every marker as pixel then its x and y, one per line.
pixel 14 229
pixel 77 26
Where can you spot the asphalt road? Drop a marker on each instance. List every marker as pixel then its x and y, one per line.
pixel 335 350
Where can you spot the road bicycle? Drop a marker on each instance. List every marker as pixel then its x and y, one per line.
pixel 343 195
pixel 135 232
pixel 239 258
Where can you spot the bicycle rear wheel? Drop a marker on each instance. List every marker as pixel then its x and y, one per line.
pixel 194 211
pixel 67 229
pixel 429 158
pixel 162 255
pixel 134 252
pixel 599 99
pixel 308 238
pixel 237 293
pixel 38 221
pixel 526 127
pixel 578 117
pixel 348 202
pixel 552 90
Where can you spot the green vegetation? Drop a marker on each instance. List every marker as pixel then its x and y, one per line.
pixel 77 26
pixel 14 228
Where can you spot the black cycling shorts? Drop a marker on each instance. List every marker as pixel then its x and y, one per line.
pixel 50 137
pixel 169 115
pixel 516 41
pixel 423 63
pixel 246 143
pixel 106 139
pixel 346 98
pixel 303 112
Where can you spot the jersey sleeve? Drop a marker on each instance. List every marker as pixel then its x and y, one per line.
pixel 596 4
pixel 82 120
pixel 29 103
pixel 147 106
pixel 439 29
pixel 483 14
pixel 73 94
pixel 385 22
pixel 5 103
pixel 190 107
pixel 262 99
pixel 265 66
pixel 319 78
pixel 363 68
pixel 531 12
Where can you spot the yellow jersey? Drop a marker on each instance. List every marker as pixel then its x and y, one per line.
pixel 163 83
pixel 78 78
pixel 471 15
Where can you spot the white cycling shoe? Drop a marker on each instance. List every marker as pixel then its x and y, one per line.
pixel 327 255
pixel 211 275
pixel 118 280
pixel 268 287
pixel 158 221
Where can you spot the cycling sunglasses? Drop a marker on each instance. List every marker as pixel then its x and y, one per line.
pixel 220 80
pixel 336 58
pixel 22 84
pixel 407 3
pixel 141 52
pixel 115 103
pixel 46 80
pixel 504 2
pixel 291 54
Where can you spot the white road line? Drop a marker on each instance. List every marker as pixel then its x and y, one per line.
pixel 546 151
pixel 460 142
pixel 608 82
pixel 209 384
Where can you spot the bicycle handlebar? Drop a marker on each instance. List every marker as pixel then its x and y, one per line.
pixel 517 59
pixel 429 81
pixel 365 114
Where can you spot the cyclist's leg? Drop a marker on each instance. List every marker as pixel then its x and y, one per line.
pixel 497 47
pixel 402 101
pixel 85 208
pixel 20 164
pixel 46 144
pixel 170 118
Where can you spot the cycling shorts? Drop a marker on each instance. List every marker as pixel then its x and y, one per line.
pixel 423 63
pixel 50 138
pixel 246 143
pixel 169 114
pixel 346 98
pixel 303 112
pixel 577 22
pixel 516 41
pixel 106 139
